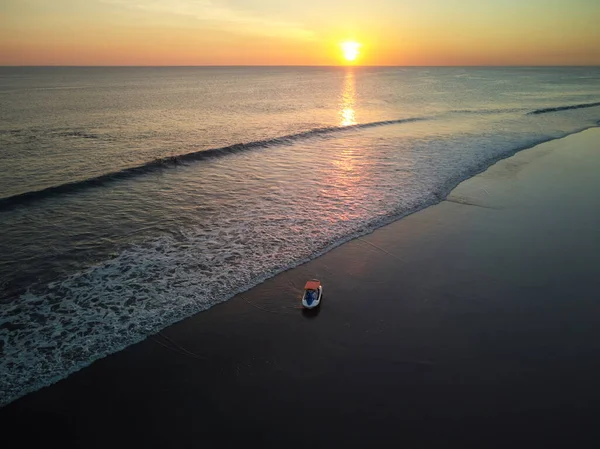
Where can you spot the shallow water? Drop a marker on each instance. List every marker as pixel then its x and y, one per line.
pixel 125 203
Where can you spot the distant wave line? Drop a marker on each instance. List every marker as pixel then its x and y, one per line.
pixel 564 108
pixel 75 186
pixel 486 111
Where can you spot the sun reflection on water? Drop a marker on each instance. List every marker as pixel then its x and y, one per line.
pixel 347 113
pixel 348 162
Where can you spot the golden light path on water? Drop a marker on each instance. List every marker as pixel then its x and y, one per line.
pixel 349 165
pixel 347 113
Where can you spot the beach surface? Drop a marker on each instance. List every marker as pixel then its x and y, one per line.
pixel 473 322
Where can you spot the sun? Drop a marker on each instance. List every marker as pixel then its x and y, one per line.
pixel 350 50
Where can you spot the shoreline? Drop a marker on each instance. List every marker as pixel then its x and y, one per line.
pixel 347 271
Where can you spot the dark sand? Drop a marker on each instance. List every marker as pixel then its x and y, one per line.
pixel 475 322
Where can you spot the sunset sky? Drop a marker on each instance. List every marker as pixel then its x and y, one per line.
pixel 306 32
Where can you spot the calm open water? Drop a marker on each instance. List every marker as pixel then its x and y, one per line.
pixel 131 198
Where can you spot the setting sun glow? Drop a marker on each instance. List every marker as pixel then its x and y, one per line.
pixel 350 50
pixel 307 33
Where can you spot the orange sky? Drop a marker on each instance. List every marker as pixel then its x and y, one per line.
pixel 308 32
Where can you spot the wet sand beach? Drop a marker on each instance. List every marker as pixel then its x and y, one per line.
pixel 473 322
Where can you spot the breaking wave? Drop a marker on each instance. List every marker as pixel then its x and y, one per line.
pixel 564 108
pixel 75 186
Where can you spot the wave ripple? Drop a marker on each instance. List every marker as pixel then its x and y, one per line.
pixel 564 108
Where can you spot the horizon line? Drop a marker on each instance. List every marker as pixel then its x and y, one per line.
pixel 288 65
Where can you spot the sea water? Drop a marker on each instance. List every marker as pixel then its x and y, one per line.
pixel 131 198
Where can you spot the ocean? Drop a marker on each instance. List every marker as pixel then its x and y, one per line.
pixel 131 198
